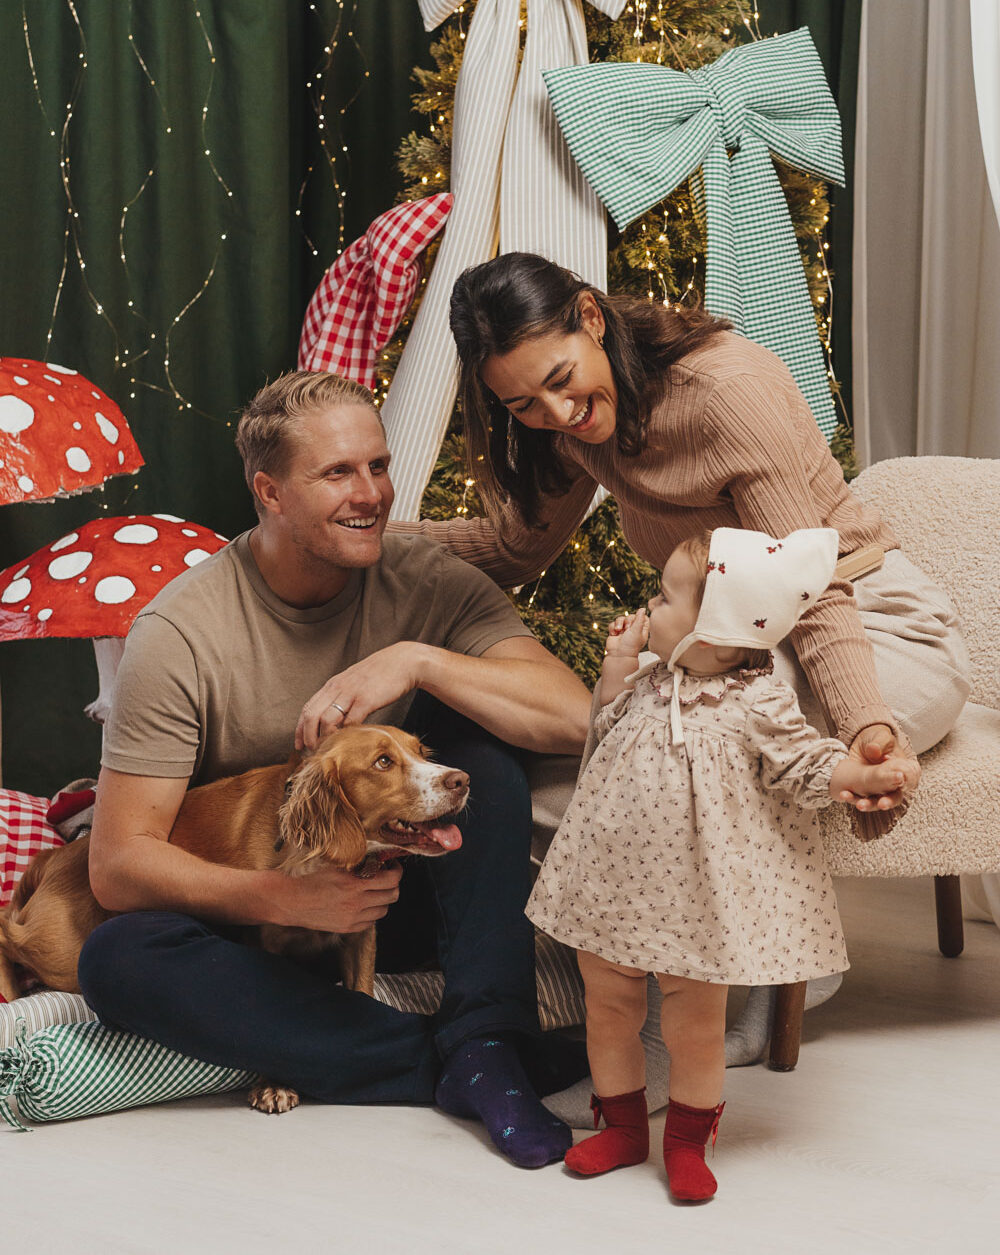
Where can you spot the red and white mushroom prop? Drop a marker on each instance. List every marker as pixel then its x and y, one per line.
pixel 59 434
pixel 93 582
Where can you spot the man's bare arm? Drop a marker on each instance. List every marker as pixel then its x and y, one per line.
pixel 516 690
pixel 134 868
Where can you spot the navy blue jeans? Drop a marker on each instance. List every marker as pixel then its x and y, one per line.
pixel 192 987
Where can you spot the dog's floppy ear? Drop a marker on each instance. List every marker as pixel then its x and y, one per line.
pixel 318 819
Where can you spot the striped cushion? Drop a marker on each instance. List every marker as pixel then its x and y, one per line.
pixel 560 987
pixel 57 1062
pixel 41 1010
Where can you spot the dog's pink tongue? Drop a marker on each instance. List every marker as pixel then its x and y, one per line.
pixel 447 836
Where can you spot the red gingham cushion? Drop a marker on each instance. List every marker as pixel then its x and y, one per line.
pixel 24 833
pixel 362 298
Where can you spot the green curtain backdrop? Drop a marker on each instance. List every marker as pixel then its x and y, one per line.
pixel 251 108
pixel 262 135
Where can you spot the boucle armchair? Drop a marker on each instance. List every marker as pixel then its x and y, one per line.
pixel 946 513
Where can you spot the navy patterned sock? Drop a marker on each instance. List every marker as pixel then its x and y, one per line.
pixel 483 1080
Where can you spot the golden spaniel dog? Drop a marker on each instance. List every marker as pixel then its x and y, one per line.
pixel 366 796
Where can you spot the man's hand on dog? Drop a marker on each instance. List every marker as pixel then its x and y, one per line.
pixel 337 901
pixel 352 695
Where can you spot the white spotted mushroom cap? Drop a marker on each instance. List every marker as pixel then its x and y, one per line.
pixel 94 581
pixel 59 434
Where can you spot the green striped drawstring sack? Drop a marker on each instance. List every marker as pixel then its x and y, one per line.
pixel 87 1069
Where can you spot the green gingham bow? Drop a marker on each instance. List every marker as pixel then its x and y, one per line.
pixel 639 130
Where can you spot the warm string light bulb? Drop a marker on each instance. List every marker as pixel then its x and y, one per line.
pixel 534 591
pixel 463 506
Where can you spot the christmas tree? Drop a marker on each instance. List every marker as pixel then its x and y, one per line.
pixel 660 256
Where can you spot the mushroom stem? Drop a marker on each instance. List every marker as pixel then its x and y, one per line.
pixel 108 651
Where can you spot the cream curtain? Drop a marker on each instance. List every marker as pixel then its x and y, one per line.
pixel 927 241
pixel 985 15
pixel 982 893
pixel 927 246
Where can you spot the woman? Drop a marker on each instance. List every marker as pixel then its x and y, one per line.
pixel 689 427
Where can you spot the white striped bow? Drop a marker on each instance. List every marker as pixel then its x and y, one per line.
pixel 513 179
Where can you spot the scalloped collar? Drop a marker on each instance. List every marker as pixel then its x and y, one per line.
pixel 692 688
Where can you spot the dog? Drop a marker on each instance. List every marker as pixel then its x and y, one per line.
pixel 367 795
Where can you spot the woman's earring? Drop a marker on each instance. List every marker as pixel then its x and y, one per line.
pixel 600 341
pixel 511 444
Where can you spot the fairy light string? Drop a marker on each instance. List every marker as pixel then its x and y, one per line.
pixel 71 233
pixel 204 110
pixel 123 356
pixel 144 67
pixel 183 402
pixel 141 351
pixel 139 342
pixel 333 150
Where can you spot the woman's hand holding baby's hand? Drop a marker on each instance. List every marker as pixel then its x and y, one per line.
pixel 627 635
pixel 876 745
pixel 871 786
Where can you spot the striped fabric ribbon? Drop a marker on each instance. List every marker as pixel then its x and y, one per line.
pixel 639 130
pixel 513 179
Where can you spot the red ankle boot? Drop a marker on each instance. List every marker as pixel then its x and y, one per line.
pixel 684 1136
pixel 623 1141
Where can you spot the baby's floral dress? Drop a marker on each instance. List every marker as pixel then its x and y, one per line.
pixel 702 860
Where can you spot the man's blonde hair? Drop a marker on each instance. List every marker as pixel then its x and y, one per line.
pixel 265 436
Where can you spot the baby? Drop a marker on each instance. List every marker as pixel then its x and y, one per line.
pixel 690 848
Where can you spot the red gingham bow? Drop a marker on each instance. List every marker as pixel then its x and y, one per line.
pixel 362 298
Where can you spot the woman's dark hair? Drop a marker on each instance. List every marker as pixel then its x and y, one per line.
pixel 518 296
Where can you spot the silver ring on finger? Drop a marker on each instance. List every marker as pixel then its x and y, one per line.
pixel 337 706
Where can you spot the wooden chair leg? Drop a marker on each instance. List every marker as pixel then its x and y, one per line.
pixel 948 900
pixel 786 1032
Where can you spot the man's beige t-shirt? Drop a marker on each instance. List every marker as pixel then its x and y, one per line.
pixel 216 668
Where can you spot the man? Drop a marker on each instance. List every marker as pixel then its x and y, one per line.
pixel 312 620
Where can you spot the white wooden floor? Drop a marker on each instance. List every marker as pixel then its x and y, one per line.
pixel 885 1139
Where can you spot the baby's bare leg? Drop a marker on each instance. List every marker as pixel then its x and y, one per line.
pixel 694 1030
pixel 616 1011
pixel 693 1020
